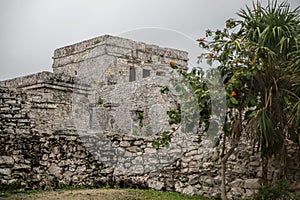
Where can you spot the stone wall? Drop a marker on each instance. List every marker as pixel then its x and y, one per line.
pixel 109 59
pixel 31 136
pixel 36 158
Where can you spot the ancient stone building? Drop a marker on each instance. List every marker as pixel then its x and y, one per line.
pixel 92 122
pixel 123 75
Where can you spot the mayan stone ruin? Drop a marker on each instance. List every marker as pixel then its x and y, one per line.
pixel 92 121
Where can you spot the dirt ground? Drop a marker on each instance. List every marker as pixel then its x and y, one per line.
pixel 91 194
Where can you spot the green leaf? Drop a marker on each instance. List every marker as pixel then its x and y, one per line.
pixel 286 100
pixel 155 143
pixel 197 91
pixel 100 101
pixel 234 101
pixel 208 33
pixel 164 90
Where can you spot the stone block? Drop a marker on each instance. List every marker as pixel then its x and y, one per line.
pixel 133 149
pixel 55 170
pixel 236 192
pixel 193 179
pixel 189 190
pixel 124 144
pixel 252 183
pixel 21 167
pixel 5 171
pixel 179 186
pixel 6 160
pixel 236 183
pixel 154 184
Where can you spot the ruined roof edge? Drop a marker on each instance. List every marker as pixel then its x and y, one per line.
pixel 115 41
pixel 38 78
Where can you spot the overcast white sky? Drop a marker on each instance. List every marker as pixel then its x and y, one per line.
pixel 32 29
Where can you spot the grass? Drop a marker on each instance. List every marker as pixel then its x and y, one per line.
pixel 11 193
pixel 159 195
pixel 102 194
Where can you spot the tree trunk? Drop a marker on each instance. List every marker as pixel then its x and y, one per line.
pixel 223 172
pixel 223 181
pixel 265 163
pixel 298 159
pixel 283 155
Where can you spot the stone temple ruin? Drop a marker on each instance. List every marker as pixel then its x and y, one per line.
pixel 92 122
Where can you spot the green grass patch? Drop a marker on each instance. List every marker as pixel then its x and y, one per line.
pixel 9 193
pixel 159 195
pixel 101 193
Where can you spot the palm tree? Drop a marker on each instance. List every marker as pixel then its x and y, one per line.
pixel 259 58
pixel 272 35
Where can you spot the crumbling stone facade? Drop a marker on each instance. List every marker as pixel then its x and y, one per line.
pixel 93 120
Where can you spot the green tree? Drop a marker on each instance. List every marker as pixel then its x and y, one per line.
pixel 259 61
pixel 271 39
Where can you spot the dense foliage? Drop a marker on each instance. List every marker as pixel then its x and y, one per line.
pixel 258 58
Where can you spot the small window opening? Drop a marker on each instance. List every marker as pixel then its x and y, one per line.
pixel 131 74
pixel 146 73
pixel 159 73
pixel 137 118
pixel 75 73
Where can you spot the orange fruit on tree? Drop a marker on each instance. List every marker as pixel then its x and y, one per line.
pixel 200 40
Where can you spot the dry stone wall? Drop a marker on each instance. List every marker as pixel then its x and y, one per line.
pixel 35 152
pixel 34 158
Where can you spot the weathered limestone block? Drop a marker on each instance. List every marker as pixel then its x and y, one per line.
pixel 236 183
pixel 193 179
pixel 236 192
pixel 5 171
pixel 189 190
pixel 21 167
pixel 252 183
pixel 55 170
pixel 155 184
pixel 6 160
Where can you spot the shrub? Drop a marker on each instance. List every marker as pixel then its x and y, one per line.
pixel 97 41
pixel 276 190
pixel 100 101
